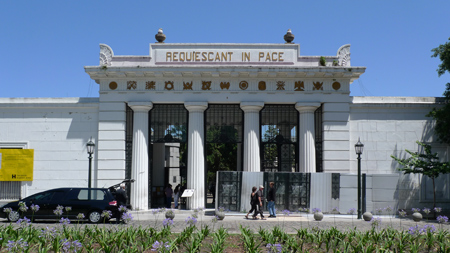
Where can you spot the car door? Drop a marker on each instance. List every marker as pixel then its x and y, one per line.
pixel 57 200
pixel 42 200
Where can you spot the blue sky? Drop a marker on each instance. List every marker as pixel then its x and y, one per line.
pixel 44 45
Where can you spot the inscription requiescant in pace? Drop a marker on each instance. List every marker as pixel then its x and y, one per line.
pixel 210 56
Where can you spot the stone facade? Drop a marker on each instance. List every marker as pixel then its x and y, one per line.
pixel 196 75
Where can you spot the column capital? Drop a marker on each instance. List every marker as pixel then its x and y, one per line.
pixel 196 106
pixel 140 106
pixel 252 106
pixel 307 106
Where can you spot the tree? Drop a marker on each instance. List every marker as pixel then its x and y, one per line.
pixel 427 164
pixel 442 115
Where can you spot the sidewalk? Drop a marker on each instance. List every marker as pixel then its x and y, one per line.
pixel 291 223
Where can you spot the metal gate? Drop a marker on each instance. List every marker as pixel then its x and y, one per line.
pixel 292 189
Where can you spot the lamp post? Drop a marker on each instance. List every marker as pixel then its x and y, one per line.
pixel 90 150
pixel 359 150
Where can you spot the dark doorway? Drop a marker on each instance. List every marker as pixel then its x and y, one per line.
pixel 224 130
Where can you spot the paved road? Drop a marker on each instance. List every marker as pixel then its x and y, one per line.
pixel 290 223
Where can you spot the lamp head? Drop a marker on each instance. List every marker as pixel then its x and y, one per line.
pixel 90 147
pixel 359 147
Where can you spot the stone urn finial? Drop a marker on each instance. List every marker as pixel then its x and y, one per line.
pixel 289 37
pixel 160 37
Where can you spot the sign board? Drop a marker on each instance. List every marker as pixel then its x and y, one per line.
pixel 16 164
pixel 188 193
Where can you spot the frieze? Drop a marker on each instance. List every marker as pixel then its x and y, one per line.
pixel 270 85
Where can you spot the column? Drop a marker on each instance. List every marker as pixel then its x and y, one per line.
pixel 307 147
pixel 139 160
pixel 196 157
pixel 252 161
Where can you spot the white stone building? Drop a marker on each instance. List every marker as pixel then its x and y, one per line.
pixel 277 109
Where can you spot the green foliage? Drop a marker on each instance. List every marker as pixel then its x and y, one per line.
pixel 443 51
pixel 442 119
pixel 322 61
pixel 442 115
pixel 427 164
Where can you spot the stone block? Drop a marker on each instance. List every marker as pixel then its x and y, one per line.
pixel 335 145
pixel 336 116
pixel 336 107
pixel 119 106
pixel 335 155
pixel 385 181
pixel 110 154
pixel 336 135
pixel 111 135
pixel 112 116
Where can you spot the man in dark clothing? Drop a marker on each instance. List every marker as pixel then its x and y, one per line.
pixel 168 192
pixel 121 198
pixel 260 202
pixel 271 201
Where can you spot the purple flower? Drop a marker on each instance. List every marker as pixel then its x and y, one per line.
pixel 161 247
pixel 80 216
pixel 286 212
pixel 389 209
pixel 58 212
pixel 351 211
pixel 106 214
pixel 68 208
pixel 59 207
pixel 23 207
pixel 123 209
pixel 442 219
pixel 49 233
pixel 34 208
pixel 68 246
pixel 7 209
pixel 64 222
pixel 416 210
pixel 426 210
pixel 127 217
pixel 428 229
pixel 215 219
pixel 437 209
pixel 167 222
pixel 191 221
pixel 375 222
pixel 155 211
pixel 316 210
pixel 17 246
pixel 402 213
pixel 379 210
pixel 414 230
pixel 23 222
pixel 274 248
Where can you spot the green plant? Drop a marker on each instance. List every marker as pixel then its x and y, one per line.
pixel 322 61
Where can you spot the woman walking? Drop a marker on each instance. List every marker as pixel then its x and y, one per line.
pixel 253 202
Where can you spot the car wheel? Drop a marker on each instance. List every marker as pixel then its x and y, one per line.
pixel 13 216
pixel 94 217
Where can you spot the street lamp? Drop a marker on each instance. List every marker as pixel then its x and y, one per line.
pixel 90 150
pixel 359 150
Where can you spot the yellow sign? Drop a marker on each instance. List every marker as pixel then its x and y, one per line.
pixel 16 164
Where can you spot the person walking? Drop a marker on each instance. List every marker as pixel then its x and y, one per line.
pixel 168 192
pixel 271 200
pixel 176 195
pixel 260 197
pixel 253 202
pixel 121 198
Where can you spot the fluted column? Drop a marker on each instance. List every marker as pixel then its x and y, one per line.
pixel 252 161
pixel 139 161
pixel 307 146
pixel 196 157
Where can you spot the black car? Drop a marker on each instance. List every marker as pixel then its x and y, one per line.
pixel 90 202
